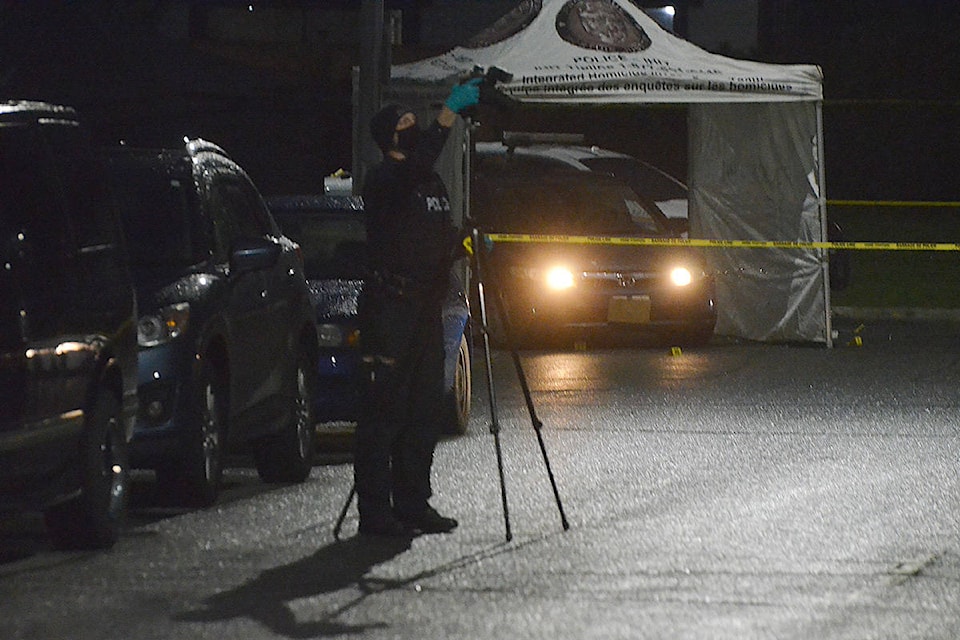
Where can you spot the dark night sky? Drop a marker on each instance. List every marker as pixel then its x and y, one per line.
pixel 892 88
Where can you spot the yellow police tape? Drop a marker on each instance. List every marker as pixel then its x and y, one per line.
pixel 737 244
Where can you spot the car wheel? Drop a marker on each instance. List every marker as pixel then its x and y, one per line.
pixel 93 519
pixel 458 399
pixel 193 480
pixel 288 456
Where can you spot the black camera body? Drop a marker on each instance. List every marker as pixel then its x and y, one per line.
pixel 492 74
pixel 489 94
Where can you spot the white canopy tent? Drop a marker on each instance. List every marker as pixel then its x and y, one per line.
pixel 755 133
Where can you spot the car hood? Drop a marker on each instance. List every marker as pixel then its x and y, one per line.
pixel 163 288
pixel 596 257
pixel 334 298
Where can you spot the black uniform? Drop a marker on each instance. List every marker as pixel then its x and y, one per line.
pixel 411 242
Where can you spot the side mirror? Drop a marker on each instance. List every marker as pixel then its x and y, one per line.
pixel 254 254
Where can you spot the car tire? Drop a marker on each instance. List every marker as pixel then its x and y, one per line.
pixel 288 456
pixel 193 479
pixel 93 519
pixel 457 400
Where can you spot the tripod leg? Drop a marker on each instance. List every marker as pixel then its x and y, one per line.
pixel 494 420
pixel 343 512
pixel 537 424
pixel 537 427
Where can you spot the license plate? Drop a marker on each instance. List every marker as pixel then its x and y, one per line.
pixel 629 309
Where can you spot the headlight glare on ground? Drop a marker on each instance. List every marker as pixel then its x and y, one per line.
pixel 164 325
pixel 681 276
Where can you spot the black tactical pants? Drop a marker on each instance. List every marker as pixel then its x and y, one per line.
pixel 401 393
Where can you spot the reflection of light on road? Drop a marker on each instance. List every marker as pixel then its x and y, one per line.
pixel 585 372
pixel 579 376
pixel 565 372
pixel 676 368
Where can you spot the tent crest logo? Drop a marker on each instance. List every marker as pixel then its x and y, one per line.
pixel 509 25
pixel 600 25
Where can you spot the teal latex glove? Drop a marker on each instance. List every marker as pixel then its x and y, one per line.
pixel 464 95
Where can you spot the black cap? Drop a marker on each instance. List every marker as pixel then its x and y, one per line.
pixel 384 123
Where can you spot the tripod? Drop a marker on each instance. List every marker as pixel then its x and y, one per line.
pixel 476 239
pixel 521 376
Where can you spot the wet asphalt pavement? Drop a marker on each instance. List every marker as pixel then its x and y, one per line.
pixel 739 490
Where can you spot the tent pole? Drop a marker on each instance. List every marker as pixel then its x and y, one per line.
pixel 822 207
pixel 368 88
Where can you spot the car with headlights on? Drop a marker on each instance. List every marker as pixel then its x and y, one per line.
pixel 601 287
pixel 227 347
pixel 667 191
pixel 331 231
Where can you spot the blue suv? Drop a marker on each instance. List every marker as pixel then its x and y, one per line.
pixel 228 351
pixel 332 231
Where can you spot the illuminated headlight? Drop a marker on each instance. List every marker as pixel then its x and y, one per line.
pixel 168 323
pixel 681 276
pixel 329 335
pixel 559 278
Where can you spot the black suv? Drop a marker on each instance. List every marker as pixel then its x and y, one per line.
pixel 228 346
pixel 602 289
pixel 67 330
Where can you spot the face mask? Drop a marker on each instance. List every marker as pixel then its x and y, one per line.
pixel 407 139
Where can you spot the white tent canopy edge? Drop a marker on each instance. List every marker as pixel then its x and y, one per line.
pixel 755 140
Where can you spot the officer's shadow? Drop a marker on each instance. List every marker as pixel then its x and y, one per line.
pixel 266 598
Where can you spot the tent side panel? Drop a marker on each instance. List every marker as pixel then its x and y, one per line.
pixel 755 175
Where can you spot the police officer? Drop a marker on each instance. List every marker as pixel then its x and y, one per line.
pixel 411 243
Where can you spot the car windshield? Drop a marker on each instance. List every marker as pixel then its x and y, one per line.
pixel 573 203
pixel 641 177
pixel 159 212
pixel 333 243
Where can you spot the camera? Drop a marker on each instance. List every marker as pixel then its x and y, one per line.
pixel 492 74
pixel 489 94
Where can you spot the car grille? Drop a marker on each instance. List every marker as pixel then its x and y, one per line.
pixel 617 280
